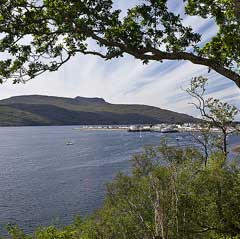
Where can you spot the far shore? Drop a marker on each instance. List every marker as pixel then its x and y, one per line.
pixel 88 129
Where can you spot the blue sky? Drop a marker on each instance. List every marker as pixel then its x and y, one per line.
pixel 127 80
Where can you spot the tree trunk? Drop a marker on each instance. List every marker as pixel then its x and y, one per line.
pixel 237 8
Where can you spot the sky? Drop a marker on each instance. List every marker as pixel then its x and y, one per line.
pixel 128 81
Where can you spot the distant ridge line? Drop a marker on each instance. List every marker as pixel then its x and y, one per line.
pixel 26 110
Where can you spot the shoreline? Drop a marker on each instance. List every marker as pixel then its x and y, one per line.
pixel 99 129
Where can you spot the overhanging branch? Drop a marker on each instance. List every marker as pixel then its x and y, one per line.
pixel 150 53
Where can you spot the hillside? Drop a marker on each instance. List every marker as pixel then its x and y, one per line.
pixel 50 110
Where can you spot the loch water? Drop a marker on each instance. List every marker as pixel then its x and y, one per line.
pixel 44 181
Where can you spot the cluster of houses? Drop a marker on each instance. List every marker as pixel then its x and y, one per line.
pixel 162 128
pixel 173 128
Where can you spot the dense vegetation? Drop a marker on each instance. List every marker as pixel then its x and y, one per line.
pixel 47 110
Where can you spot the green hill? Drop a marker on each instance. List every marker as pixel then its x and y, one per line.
pixel 50 110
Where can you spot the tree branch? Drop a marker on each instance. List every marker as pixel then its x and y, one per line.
pixel 150 53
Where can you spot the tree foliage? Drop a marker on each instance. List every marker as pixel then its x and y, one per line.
pixel 178 198
pixel 38 36
pixel 215 113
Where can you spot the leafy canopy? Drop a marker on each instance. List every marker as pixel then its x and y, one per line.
pixel 38 36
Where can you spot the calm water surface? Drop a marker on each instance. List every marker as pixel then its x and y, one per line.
pixel 43 181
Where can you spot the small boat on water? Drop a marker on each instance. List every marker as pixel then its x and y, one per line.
pixel 69 143
pixel 169 130
pixel 139 128
pixel 179 138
